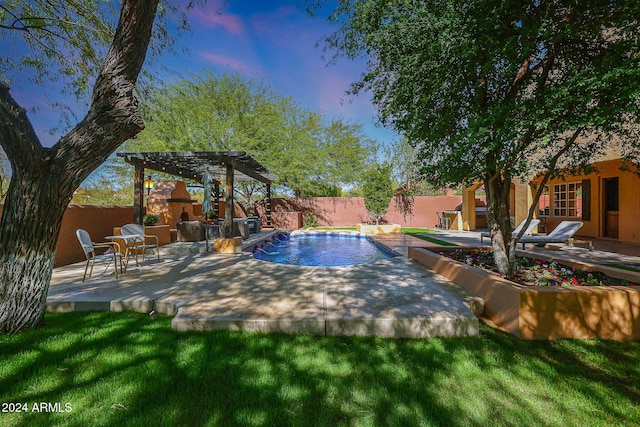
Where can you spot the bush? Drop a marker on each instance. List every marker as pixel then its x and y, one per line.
pixel 309 220
pixel 150 220
pixel 378 190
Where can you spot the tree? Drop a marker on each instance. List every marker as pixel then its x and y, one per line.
pixel 494 91
pixel 377 190
pixel 229 112
pixel 44 178
pixel 405 172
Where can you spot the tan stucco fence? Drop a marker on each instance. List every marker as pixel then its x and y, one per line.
pixel 419 211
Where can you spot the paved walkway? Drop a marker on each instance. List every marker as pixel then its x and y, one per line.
pixel 606 251
pixel 392 298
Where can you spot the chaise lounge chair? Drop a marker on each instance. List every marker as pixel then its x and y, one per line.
pixel 529 230
pixel 563 233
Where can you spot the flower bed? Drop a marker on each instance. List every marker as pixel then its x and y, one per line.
pixel 537 272
pixel 546 312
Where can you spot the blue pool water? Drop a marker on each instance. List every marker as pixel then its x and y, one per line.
pixel 326 250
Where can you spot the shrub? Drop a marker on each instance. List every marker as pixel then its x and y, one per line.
pixel 309 220
pixel 150 220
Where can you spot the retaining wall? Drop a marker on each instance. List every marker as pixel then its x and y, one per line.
pixel 543 313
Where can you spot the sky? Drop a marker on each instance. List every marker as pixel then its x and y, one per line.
pixel 270 41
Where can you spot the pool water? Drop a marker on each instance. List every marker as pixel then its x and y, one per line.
pixel 326 250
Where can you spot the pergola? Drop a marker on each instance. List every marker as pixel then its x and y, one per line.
pixel 233 165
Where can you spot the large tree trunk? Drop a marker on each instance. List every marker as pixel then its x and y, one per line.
pixel 498 188
pixel 44 179
pixel 30 225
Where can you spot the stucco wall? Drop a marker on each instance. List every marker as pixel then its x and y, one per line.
pixel 348 211
pixel 629 203
pixel 99 221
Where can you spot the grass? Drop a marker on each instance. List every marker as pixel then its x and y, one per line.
pixel 126 369
pixel 623 267
pixel 417 232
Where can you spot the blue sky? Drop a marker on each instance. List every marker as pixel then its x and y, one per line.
pixel 271 41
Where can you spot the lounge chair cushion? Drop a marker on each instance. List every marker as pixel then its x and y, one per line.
pixel 561 234
pixel 529 230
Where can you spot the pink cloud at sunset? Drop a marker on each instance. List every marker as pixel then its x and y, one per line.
pixel 233 63
pixel 211 17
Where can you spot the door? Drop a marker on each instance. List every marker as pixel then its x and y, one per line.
pixel 611 207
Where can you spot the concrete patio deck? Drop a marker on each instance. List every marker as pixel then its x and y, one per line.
pixel 607 251
pixel 392 298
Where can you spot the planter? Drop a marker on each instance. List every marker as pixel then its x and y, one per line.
pixel 163 232
pixel 378 229
pixel 542 313
pixel 227 246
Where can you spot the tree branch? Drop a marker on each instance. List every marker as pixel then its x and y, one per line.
pixel 17 136
pixel 113 116
pixel 547 175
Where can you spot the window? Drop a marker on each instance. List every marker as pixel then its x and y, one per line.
pixel 567 199
pixel 544 203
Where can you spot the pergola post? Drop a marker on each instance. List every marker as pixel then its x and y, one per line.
pixel 228 214
pixel 138 194
pixel 268 206
pixel 216 198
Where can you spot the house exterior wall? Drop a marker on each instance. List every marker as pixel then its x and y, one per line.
pixel 629 202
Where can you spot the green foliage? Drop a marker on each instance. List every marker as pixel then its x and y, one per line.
pixel 482 85
pixel 309 220
pixel 102 192
pixel 66 41
pixel 490 91
pixel 150 220
pixel 404 158
pixel 311 155
pixel 377 190
pixel 113 366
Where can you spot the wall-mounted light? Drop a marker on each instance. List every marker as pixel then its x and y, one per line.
pixel 148 184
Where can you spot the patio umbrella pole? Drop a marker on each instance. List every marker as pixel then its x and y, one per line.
pixel 206 206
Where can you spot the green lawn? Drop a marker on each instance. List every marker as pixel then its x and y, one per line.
pixel 418 232
pixel 116 369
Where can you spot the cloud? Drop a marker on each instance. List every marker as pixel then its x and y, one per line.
pixel 233 63
pixel 212 17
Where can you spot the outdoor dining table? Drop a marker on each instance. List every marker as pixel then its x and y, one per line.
pixel 130 241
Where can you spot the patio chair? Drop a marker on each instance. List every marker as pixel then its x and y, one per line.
pixel 529 230
pixel 89 248
pixel 563 233
pixel 141 241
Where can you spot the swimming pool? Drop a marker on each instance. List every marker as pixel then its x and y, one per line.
pixel 325 250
